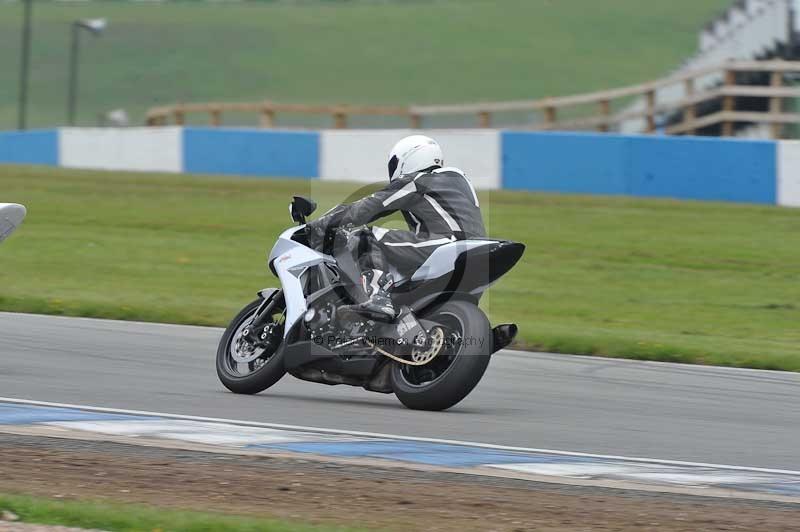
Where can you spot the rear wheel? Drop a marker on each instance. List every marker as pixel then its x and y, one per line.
pixel 458 366
pixel 246 367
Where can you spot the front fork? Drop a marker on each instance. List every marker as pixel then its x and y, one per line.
pixel 261 328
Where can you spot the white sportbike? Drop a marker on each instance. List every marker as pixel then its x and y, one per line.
pixel 432 355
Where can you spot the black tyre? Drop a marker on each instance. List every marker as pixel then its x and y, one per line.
pixel 247 371
pixel 456 369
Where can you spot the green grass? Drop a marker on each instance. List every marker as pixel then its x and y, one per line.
pixel 126 517
pixel 651 279
pixel 356 51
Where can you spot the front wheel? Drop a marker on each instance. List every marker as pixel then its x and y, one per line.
pixel 456 369
pixel 247 368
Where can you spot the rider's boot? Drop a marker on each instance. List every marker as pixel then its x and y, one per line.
pixel 378 305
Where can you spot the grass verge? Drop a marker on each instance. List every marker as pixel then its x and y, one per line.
pixel 649 279
pixel 127 517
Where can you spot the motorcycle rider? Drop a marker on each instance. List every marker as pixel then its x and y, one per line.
pixel 439 205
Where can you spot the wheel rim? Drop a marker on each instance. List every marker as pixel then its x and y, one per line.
pixel 243 359
pixel 422 376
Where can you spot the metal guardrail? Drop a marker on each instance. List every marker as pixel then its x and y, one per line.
pixel 553 110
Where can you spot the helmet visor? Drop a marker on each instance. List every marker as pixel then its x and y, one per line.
pixel 393 162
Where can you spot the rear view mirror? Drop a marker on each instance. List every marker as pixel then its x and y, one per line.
pixel 301 207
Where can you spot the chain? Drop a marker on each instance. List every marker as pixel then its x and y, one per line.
pixel 419 359
pixel 397 358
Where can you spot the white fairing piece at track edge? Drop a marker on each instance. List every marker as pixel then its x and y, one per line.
pixel 11 216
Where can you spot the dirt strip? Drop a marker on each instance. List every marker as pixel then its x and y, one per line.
pixel 26 527
pixel 368 497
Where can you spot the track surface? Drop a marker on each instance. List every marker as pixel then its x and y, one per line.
pixel 639 409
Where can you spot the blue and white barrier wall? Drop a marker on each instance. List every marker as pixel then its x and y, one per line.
pixel 749 171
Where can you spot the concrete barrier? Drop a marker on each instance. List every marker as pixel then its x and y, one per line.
pixel 702 169
pixel 139 149
pixel 251 152
pixel 362 155
pixel 752 171
pixel 29 147
pixel 789 173
pixel 667 167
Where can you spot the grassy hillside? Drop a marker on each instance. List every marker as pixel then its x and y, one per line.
pixel 654 279
pixel 422 51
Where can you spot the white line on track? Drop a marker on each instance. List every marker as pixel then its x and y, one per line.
pixel 393 436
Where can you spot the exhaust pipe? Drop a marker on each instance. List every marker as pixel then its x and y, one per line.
pixel 503 335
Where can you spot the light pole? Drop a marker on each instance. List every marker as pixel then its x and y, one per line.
pixel 24 67
pixel 96 27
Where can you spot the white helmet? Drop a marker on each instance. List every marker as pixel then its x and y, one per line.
pixel 414 154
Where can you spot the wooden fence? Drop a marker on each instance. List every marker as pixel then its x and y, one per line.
pixel 761 83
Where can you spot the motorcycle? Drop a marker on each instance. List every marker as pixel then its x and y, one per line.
pixel 431 356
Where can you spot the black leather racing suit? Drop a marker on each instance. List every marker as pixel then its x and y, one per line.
pixel 440 206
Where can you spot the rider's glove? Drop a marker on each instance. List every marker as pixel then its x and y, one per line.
pixel 322 231
pixel 315 232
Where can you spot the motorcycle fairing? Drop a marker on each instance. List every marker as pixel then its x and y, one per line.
pixel 443 258
pixel 289 260
pixel 465 270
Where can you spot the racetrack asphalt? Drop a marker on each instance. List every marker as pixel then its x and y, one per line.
pixel 559 402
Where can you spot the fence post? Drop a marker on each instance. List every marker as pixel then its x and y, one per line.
pixel 775 105
pixel 728 103
pixel 690 111
pixel 216 117
pixel 340 119
pixel 484 119
pixel 550 117
pixel 180 116
pixel 650 97
pixel 267 116
pixel 605 112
